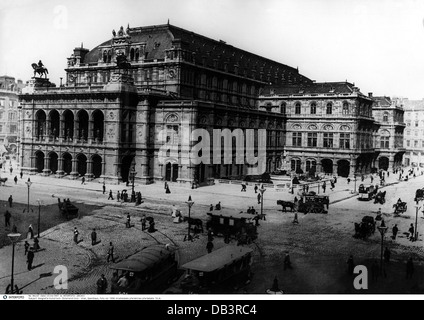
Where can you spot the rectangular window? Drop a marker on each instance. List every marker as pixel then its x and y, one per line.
pixel 408 143
pixel 312 139
pixel 328 140
pixel 344 140
pixel 416 144
pixel 297 109
pixel 297 139
pixel 384 142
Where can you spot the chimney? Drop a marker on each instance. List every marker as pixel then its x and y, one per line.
pixel 370 94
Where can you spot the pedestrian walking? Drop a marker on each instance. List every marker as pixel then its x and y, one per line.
pixel 76 233
pixel 104 188
pixel 409 268
pixel 287 262
pixel 7 217
pixel 165 185
pixel 348 180
pixel 387 255
pixel 118 196
pixel 30 258
pixel 256 188
pixel 209 246
pixel 30 233
pixel 110 253
pixel 259 198
pixel 36 245
pixel 324 185
pixel 26 247
pixel 10 201
pixel 350 265
pixel 101 285
pixel 395 231
pixel 332 185
pixel 21 174
pixel 167 189
pixel 16 179
pixel 110 195
pixel 143 222
pixel 411 232
pixel 83 180
pixel 243 187
pixel 93 237
pixel 128 223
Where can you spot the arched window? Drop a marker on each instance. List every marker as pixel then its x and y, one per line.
pixel 109 56
pixel 132 54
pixel 283 108
pixel 385 117
pixel 345 109
pixel 313 108
pixel 137 54
pixel 297 108
pixel 329 109
pixel 105 56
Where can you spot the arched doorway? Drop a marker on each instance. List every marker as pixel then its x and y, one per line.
pixel 81 164
pixel 53 162
pixel 327 166
pixel 39 161
pixel 98 126
pixel 383 163
pixel 125 167
pixel 40 117
pixel 54 124
pixel 67 163
pixel 343 168
pixel 83 125
pixel 69 124
pixel 171 172
pixel 97 166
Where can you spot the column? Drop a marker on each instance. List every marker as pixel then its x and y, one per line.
pixel 46 170
pixel 59 171
pixel 89 175
pixel 61 130
pixel 90 131
pixel 74 173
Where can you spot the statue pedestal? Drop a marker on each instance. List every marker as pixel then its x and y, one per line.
pixel 42 82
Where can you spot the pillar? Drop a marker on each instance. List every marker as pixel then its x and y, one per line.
pixel 46 170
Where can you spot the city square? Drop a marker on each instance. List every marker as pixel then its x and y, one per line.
pixel 156 158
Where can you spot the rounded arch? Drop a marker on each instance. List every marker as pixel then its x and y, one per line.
pixel 82 117
pixel 68 118
pixel 343 168
pixel 125 167
pixel 327 166
pixel 97 165
pixel 40 118
pixel 39 161
pixel 98 125
pixel 81 164
pixel 383 163
pixel 54 118
pixel 53 160
pixel 67 162
pixel 132 54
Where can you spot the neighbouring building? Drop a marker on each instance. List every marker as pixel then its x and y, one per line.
pixel 330 127
pixel 9 114
pixel 390 147
pixel 105 121
pixel 414 132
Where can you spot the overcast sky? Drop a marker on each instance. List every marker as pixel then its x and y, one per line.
pixel 378 45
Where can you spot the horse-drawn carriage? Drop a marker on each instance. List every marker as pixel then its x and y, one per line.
pixel 365 228
pixel 313 203
pixel 380 197
pixel 367 192
pixel 67 209
pixel 400 207
pixel 239 226
pixel 286 204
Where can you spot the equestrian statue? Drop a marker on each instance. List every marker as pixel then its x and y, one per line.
pixel 40 69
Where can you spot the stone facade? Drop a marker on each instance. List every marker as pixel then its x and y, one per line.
pixel 414 132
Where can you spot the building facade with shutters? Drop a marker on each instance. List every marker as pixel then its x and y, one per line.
pixel 109 122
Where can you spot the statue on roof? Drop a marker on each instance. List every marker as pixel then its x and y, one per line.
pixel 121 31
pixel 114 33
pixel 40 69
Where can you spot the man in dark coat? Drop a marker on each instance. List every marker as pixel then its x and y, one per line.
pixel 16 179
pixel 209 246
pixel 7 217
pixel 101 285
pixel 395 230
pixel 110 253
pixel 93 237
pixel 30 258
pixel 10 201
pixel 104 188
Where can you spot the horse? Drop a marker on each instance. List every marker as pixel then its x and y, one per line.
pixel 197 223
pixel 40 70
pixel 3 180
pixel 286 204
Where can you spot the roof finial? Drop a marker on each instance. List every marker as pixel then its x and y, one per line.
pixel 168 21
pixel 82 45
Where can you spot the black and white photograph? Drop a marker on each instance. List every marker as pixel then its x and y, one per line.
pixel 264 150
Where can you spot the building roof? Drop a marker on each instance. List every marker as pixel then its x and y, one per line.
pixel 313 88
pixel 160 38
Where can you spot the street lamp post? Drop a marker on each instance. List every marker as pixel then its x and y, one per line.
pixel 39 215
pixel 133 173
pixel 189 204
pixel 28 183
pixel 262 190
pixel 382 229
pixel 417 207
pixel 14 237
pixel 354 179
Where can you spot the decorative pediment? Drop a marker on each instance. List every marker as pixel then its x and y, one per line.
pixel 312 127
pixel 296 127
pixel 328 127
pixel 171 118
